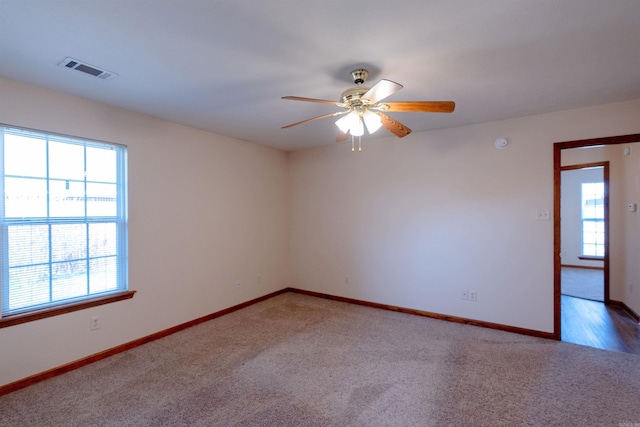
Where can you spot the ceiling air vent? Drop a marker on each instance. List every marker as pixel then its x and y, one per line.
pixel 86 68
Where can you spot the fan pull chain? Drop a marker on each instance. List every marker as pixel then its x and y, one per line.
pixel 353 143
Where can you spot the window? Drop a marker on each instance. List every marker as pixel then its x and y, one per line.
pixel 593 219
pixel 63 220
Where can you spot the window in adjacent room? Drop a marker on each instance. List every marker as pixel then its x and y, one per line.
pixel 63 220
pixel 593 219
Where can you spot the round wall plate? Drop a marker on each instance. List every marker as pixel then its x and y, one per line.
pixel 502 143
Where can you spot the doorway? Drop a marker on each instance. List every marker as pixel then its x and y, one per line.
pixel 617 322
pixel 584 216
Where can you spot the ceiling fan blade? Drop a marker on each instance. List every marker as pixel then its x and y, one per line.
pixel 324 116
pixel 299 98
pixel 422 107
pixel 393 126
pixel 342 136
pixel 381 90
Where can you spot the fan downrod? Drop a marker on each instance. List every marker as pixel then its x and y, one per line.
pixel 359 75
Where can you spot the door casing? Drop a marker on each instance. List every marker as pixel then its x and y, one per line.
pixel 557 167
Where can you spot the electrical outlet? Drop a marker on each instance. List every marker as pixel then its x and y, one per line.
pixel 464 295
pixel 94 324
pixel 473 295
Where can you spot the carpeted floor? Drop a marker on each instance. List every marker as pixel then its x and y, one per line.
pixel 296 360
pixel 583 283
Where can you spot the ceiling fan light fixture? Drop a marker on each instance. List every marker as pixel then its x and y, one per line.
pixel 362 108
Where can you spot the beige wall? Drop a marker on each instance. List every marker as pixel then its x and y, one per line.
pixel 204 211
pixel 630 293
pixel 414 222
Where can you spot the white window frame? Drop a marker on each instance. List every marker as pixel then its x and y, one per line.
pixel 119 289
pixel 592 215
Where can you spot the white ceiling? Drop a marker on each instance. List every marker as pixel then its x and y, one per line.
pixel 222 65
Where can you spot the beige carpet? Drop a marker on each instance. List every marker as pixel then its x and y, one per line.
pixel 296 360
pixel 583 283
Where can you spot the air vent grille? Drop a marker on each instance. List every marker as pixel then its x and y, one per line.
pixel 86 68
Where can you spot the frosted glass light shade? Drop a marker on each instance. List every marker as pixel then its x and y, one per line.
pixel 357 129
pixel 343 123
pixel 351 123
pixel 372 121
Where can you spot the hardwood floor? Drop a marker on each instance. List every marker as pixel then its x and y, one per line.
pixel 595 324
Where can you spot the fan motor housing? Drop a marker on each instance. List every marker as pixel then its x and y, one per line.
pixel 353 95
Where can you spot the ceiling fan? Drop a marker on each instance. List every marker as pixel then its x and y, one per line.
pixel 362 107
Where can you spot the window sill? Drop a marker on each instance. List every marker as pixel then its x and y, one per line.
pixel 63 309
pixel 591 258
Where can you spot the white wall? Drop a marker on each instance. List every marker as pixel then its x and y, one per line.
pixel 415 221
pixel 204 211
